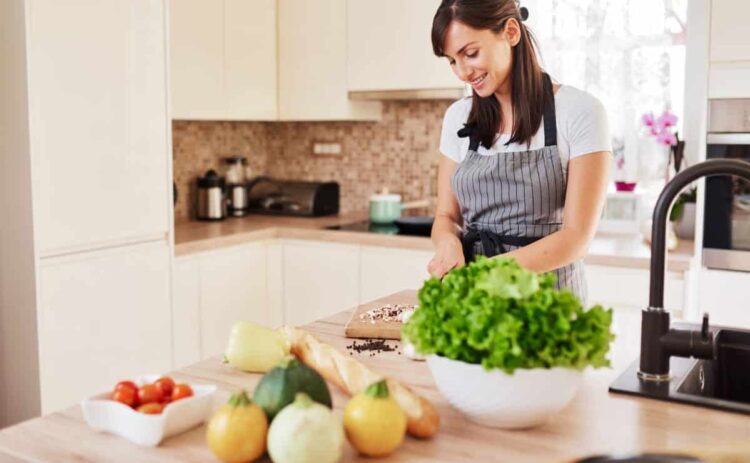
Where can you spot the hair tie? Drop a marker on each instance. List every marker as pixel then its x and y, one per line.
pixel 524 13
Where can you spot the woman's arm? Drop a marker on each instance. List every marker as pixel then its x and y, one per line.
pixel 446 230
pixel 588 176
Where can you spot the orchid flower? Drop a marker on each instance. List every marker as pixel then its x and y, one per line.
pixel 667 119
pixel 648 119
pixel 666 137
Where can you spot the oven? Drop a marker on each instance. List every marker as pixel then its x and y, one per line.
pixel 726 235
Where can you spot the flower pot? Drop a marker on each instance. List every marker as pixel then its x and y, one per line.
pixel 685 226
pixel 625 186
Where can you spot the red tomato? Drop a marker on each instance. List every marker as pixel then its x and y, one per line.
pixel 127 385
pixel 126 396
pixel 181 391
pixel 148 393
pixel 165 384
pixel 153 408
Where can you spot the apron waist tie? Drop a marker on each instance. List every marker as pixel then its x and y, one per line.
pixel 492 243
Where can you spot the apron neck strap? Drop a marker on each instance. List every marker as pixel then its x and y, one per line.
pixel 550 126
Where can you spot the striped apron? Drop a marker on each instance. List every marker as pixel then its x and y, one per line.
pixel 511 199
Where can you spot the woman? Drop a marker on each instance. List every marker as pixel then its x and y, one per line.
pixel 525 162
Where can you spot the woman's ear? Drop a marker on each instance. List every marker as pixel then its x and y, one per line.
pixel 512 31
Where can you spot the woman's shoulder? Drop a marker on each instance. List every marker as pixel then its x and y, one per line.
pixel 458 112
pixel 574 102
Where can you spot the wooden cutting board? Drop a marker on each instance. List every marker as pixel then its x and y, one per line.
pixel 358 328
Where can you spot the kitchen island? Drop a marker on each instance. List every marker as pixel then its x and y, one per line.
pixel 595 422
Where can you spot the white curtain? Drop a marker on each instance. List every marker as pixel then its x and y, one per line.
pixel 628 53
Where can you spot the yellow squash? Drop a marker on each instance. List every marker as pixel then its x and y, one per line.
pixel 255 348
pixel 237 431
pixel 374 423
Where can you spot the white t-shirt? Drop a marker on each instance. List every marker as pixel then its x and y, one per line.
pixel 582 128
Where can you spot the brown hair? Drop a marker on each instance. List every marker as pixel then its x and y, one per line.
pixel 526 74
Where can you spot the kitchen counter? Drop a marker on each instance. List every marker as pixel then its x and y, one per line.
pixel 608 249
pixel 595 422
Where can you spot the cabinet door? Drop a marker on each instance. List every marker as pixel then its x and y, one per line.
pixel 186 311
pixel 723 295
pixel 312 38
pixel 320 279
pixel 98 122
pixel 390 49
pixel 729 40
pixel 233 288
pixel 628 287
pixel 103 316
pixel 384 271
pixel 196 46
pixel 250 60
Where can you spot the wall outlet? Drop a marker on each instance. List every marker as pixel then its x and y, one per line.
pixel 327 149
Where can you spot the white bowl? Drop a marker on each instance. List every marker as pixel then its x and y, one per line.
pixel 528 397
pixel 104 414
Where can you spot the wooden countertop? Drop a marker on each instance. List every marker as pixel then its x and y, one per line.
pixel 595 422
pixel 191 237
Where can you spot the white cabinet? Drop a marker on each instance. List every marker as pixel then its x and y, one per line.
pixel 186 311
pixel 729 72
pixel 103 316
pixel 196 38
pixel 312 63
pixel 250 59
pixel 385 271
pixel 215 289
pixel 723 295
pixel 390 49
pixel 627 287
pixel 232 288
pixel 99 135
pixel 223 59
pixel 729 40
pixel 320 279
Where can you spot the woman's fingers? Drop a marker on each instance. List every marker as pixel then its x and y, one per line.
pixel 438 268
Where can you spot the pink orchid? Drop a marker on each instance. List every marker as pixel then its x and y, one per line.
pixel 667 119
pixel 666 137
pixel 648 119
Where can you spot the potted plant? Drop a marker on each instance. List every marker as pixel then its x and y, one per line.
pixel 656 146
pixel 682 214
pixel 505 347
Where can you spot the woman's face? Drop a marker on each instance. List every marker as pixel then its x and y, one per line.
pixel 480 57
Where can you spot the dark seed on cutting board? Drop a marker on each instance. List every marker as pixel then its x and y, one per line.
pixel 371 346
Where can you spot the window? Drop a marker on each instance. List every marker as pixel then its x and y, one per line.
pixel 628 53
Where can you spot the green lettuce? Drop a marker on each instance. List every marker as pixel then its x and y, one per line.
pixel 495 313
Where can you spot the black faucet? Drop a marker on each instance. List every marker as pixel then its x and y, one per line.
pixel 659 341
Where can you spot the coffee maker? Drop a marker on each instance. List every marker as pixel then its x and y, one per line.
pixel 211 203
pixel 236 185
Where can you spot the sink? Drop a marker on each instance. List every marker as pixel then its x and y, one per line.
pixel 722 382
pixel 708 367
pixel 728 376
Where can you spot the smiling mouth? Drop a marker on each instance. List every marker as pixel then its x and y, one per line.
pixel 478 80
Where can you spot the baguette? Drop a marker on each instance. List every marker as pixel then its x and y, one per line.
pixel 352 377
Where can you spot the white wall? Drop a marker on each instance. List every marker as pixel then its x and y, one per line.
pixel 19 381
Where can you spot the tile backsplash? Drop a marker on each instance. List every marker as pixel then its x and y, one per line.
pixel 399 152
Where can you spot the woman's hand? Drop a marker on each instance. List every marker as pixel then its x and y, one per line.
pixel 448 255
pixel 446 229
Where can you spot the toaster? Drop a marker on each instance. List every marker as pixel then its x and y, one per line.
pixel 285 197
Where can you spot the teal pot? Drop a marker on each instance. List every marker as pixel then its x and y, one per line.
pixel 386 208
